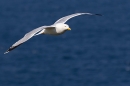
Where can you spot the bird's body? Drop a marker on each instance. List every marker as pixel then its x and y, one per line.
pixel 59 27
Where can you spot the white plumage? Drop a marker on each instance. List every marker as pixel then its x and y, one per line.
pixel 59 27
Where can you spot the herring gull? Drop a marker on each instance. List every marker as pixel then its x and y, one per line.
pixel 59 27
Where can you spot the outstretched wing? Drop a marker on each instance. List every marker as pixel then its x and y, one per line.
pixel 66 18
pixel 27 37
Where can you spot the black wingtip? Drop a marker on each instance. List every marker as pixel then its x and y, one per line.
pixel 11 48
pixel 99 14
pixel 6 52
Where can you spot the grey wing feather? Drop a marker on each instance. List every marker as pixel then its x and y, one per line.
pixel 27 37
pixel 66 18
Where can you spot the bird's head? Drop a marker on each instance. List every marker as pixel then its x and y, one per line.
pixel 63 26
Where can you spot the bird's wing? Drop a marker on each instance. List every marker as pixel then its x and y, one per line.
pixel 27 36
pixel 66 18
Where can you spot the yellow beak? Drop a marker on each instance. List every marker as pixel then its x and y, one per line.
pixel 69 29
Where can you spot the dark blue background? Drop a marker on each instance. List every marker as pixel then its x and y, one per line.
pixel 96 52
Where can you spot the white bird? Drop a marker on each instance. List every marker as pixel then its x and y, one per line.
pixel 59 27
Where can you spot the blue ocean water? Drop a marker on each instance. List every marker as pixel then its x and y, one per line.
pixel 96 52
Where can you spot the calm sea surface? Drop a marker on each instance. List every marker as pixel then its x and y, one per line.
pixel 96 52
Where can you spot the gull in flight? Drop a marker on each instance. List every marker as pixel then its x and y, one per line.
pixel 59 27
